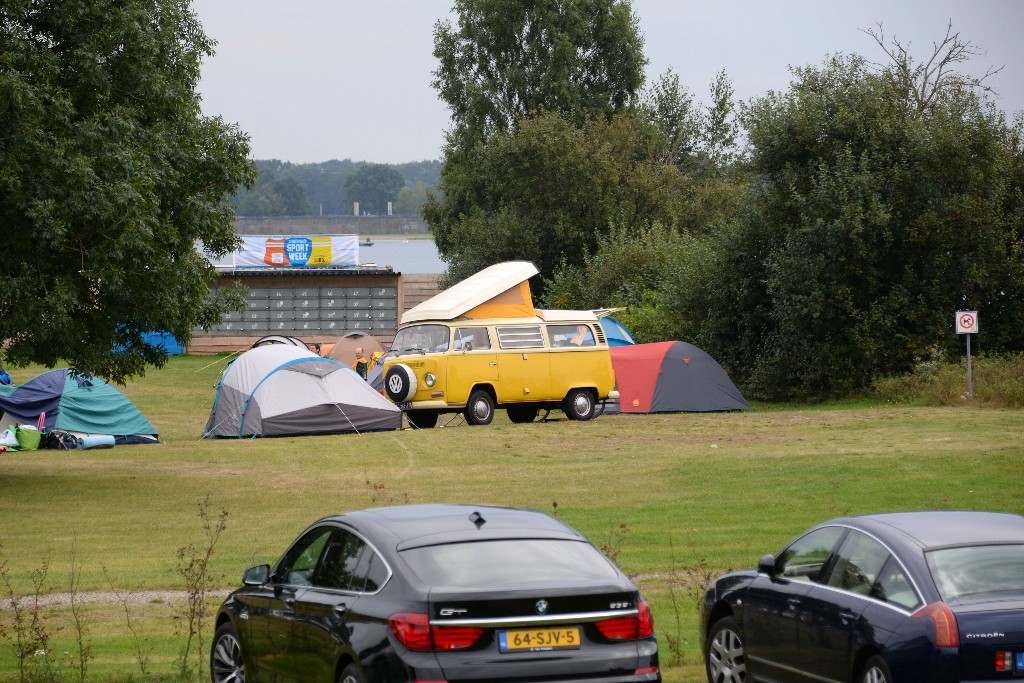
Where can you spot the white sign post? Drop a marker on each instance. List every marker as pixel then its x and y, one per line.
pixel 967 323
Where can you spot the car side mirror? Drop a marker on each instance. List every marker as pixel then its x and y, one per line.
pixel 256 576
pixel 766 565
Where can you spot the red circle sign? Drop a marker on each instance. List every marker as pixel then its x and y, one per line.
pixel 966 322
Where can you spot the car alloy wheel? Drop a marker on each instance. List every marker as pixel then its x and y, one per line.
pixel 876 671
pixel 351 675
pixel 726 660
pixel 226 662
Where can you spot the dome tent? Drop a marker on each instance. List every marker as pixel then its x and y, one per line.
pixel 78 404
pixel 344 348
pixel 672 377
pixel 615 332
pixel 285 390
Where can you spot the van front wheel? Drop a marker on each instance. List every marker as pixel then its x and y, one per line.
pixel 480 409
pixel 579 405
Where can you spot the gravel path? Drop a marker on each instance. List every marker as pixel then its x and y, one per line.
pixel 134 599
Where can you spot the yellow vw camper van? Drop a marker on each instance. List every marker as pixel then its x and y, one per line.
pixel 481 345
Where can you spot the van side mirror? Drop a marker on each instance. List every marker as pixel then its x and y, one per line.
pixel 256 576
pixel 766 565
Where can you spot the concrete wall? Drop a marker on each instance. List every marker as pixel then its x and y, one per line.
pixel 330 225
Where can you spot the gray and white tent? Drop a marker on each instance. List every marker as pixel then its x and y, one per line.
pixel 284 390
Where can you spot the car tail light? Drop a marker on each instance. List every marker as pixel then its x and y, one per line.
pixel 411 630
pixel 1004 661
pixel 455 637
pixel 415 632
pixel 947 633
pixel 646 670
pixel 633 627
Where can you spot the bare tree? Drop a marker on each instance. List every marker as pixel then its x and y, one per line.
pixel 928 82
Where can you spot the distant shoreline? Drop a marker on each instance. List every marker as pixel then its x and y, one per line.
pixel 392 237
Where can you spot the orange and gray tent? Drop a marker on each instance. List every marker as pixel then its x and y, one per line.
pixel 284 390
pixel 672 377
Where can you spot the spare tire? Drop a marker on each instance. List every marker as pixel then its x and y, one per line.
pixel 400 382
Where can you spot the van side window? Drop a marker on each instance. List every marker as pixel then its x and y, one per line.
pixel 476 335
pixel 520 337
pixel 570 335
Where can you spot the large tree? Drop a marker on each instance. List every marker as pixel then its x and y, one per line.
pixel 537 157
pixel 373 186
pixel 507 60
pixel 547 191
pixel 886 200
pixel 109 177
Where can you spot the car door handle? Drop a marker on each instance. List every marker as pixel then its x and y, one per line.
pixel 493 362
pixel 793 603
pixel 289 602
pixel 341 609
pixel 846 616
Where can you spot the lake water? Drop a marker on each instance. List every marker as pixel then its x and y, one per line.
pixel 404 256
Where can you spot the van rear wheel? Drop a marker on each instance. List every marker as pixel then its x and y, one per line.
pixel 480 409
pixel 579 404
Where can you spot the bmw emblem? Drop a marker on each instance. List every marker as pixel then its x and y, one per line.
pixel 542 607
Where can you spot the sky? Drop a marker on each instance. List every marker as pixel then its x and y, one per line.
pixel 314 80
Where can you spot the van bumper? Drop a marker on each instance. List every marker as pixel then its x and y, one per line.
pixel 430 405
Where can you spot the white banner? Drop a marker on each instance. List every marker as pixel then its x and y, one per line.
pixel 298 251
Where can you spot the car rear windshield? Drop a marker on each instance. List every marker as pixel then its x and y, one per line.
pixel 977 570
pixel 500 563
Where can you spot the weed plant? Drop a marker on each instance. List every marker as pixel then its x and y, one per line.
pixel 997 382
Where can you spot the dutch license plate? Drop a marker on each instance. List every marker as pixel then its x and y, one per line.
pixel 539 639
pixel 407 405
pixel 1020 661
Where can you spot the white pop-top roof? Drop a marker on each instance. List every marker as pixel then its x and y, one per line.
pixel 472 292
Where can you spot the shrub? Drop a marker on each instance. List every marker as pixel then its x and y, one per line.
pixel 998 382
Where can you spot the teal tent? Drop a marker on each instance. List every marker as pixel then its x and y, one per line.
pixel 74 403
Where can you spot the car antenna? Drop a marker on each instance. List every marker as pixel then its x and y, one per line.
pixel 477 519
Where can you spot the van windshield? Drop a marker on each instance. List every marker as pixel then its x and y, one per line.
pixel 421 339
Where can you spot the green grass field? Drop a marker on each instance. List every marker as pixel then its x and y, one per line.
pixel 674 498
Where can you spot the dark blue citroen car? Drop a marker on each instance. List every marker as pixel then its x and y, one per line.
pixel 436 593
pixel 914 597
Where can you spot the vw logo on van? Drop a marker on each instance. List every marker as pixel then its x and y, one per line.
pixel 395 384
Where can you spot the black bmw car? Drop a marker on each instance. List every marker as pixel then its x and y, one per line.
pixel 435 593
pixel 922 597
